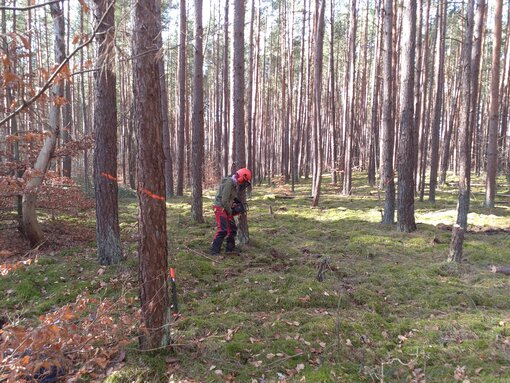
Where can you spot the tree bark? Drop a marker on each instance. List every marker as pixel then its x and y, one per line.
pixel 250 92
pixel 182 100
pixel 317 88
pixel 67 126
pixel 84 114
pixel 197 121
pixel 238 105
pixel 349 119
pixel 457 240
pixel 376 86
pixel 105 151
pixel 438 107
pixel 165 124
pixel 226 94
pixel 332 129
pixel 455 254
pixel 387 134
pixel 423 122
pixel 406 222
pixel 492 145
pixel 153 250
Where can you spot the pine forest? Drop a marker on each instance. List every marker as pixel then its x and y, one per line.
pixel 254 191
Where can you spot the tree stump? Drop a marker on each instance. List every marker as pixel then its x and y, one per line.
pixel 456 244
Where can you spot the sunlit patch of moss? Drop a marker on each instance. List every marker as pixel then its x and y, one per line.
pixel 133 375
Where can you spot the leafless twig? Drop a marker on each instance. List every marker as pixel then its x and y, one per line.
pixel 48 83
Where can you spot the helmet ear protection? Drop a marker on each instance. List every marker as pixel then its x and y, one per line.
pixel 244 176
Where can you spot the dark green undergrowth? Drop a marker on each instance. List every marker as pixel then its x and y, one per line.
pixel 388 308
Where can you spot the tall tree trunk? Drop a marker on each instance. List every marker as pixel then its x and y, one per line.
pixel 249 92
pixel 238 105
pixel 67 128
pixel 10 64
pixel 376 85
pixel 284 104
pixel 165 124
pixel 349 120
pixel 226 95
pixel 317 88
pixel 423 124
pixel 445 158
pixel 297 153
pixel 477 98
pixel 105 151
pixel 477 104
pixel 84 113
pixel 460 227
pixel 387 133
pixel 218 123
pixel 182 100
pixel 505 104
pixel 197 121
pixel 417 86
pixel 132 149
pixel 332 129
pixel 254 163
pixel 153 250
pixel 405 166
pixel 492 145
pixel 438 107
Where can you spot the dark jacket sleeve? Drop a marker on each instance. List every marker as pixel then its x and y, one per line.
pixel 226 200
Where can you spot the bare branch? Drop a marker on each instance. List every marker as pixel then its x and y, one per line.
pixel 5 8
pixel 26 104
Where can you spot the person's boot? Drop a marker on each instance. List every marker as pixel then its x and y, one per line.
pixel 216 246
pixel 231 247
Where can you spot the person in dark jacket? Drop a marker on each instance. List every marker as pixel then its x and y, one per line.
pixel 224 204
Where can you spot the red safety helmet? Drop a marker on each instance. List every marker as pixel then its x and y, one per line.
pixel 243 175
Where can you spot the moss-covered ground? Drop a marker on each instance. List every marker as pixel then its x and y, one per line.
pixel 323 294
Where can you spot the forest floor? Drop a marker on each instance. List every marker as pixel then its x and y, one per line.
pixel 322 294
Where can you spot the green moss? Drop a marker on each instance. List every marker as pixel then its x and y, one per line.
pixel 26 291
pixel 385 295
